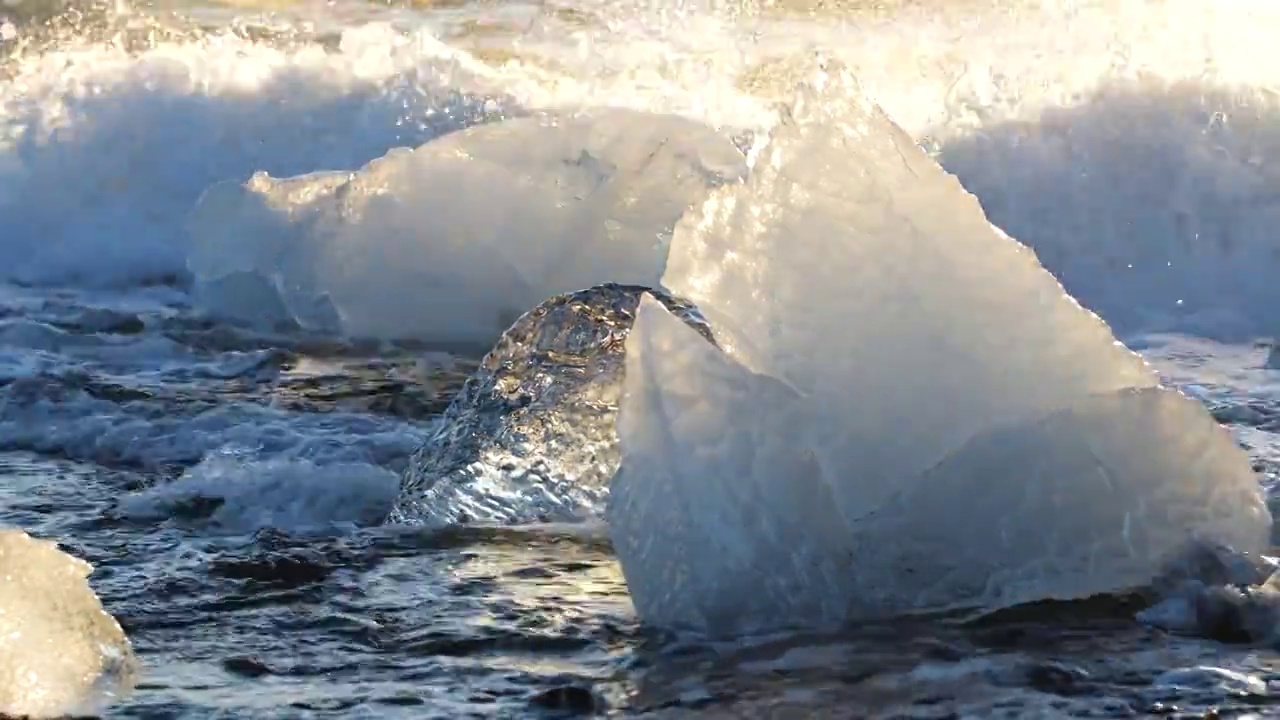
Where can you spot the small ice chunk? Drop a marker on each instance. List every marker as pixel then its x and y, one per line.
pixel 1219 680
pixel 1217 593
pixel 531 437
pixel 61 653
pixel 909 413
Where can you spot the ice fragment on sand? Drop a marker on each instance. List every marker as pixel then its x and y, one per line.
pixel 61 653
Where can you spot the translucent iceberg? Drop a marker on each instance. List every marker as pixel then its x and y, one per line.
pixel 60 652
pixel 452 241
pixel 909 414
pixel 531 437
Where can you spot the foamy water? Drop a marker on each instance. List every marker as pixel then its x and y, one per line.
pixel 1133 145
pixel 1129 144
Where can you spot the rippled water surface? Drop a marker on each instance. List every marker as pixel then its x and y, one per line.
pixel 253 584
pixel 229 484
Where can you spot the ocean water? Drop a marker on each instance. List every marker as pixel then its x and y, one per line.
pixel 228 478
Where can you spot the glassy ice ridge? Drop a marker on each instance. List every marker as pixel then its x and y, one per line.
pixel 530 438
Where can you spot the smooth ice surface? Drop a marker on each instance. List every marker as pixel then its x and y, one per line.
pixel 60 652
pixel 910 414
pixel 452 241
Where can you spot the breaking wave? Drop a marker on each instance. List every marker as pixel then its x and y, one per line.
pixel 1141 172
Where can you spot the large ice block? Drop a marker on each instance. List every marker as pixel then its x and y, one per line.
pixel 909 413
pixel 453 240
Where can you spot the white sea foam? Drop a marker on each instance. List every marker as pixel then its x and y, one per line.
pixel 49 409
pixel 103 152
pixel 1132 145
pixel 242 495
